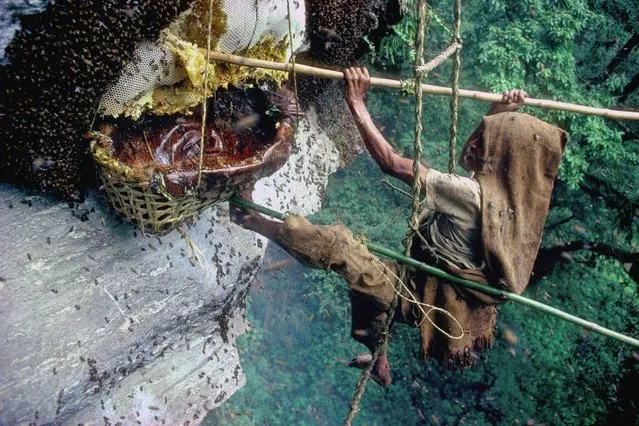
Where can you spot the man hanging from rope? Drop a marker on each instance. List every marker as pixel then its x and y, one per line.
pixel 486 228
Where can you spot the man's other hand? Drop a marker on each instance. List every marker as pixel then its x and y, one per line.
pixel 511 100
pixel 357 83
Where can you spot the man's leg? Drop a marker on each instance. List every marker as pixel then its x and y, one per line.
pixel 332 247
pixel 367 324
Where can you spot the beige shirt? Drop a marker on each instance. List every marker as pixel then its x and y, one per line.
pixel 451 220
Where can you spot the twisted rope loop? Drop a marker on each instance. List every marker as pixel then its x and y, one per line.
pixel 420 305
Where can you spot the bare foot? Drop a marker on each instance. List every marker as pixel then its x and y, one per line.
pixel 381 370
pixel 240 215
pixel 252 220
pixel 361 361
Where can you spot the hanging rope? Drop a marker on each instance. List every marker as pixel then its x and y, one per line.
pixel 454 102
pixel 419 94
pixel 205 89
pixel 422 24
pixel 413 224
pixel 290 41
pixel 407 87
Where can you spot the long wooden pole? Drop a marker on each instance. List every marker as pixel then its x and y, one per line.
pixel 493 291
pixel 426 88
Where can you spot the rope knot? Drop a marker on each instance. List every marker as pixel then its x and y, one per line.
pixel 420 70
pixel 407 87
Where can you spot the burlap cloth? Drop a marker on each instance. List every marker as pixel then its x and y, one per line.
pixel 521 156
pixel 333 247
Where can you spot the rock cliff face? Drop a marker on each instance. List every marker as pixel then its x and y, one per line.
pixel 10 10
pixel 100 322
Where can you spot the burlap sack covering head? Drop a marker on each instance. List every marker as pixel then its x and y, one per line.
pixel 521 156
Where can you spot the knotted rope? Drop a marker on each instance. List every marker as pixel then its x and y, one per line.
pixel 484 288
pixel 422 24
pixel 454 102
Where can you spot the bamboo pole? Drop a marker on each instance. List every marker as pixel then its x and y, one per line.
pixel 538 306
pixel 426 88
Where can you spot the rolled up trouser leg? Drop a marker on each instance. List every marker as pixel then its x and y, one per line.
pixel 332 247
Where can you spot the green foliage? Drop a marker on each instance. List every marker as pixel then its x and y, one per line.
pixel 399 47
pixel 546 48
pixel 535 45
pixel 377 211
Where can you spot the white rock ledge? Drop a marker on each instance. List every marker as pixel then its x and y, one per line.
pixel 103 325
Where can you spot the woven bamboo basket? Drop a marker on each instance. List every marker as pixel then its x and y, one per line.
pixel 145 203
pixel 159 199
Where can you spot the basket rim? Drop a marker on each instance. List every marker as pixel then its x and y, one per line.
pixel 103 155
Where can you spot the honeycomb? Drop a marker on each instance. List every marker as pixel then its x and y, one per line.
pixel 167 76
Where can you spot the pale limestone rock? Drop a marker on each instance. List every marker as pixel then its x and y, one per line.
pixel 101 323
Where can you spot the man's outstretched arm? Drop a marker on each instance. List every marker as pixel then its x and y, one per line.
pixel 357 83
